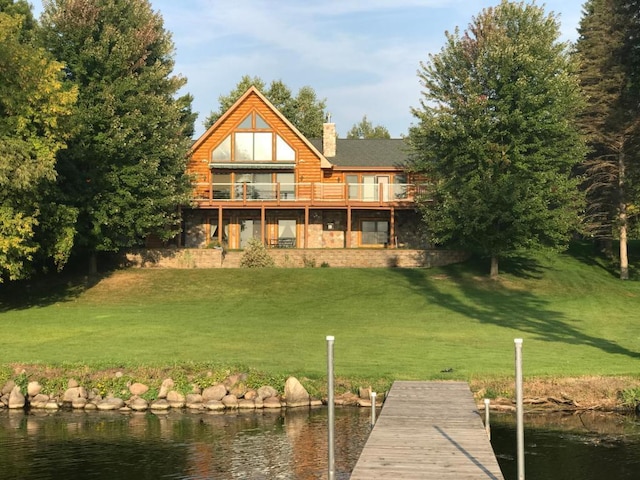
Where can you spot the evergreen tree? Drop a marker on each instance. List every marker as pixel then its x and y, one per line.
pixel 304 111
pixel 365 129
pixel 124 168
pixel 33 104
pixel 607 49
pixel 496 135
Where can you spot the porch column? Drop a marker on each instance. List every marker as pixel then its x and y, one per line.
pixel 306 226
pixel 348 239
pixel 392 229
pixel 220 226
pixel 263 217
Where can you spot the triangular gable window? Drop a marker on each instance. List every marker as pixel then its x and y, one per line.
pixel 253 142
pixel 261 124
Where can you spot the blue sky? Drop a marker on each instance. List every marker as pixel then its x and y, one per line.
pixel 361 56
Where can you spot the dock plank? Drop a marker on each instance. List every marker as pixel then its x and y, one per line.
pixel 428 430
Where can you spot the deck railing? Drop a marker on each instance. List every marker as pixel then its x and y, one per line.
pixel 343 193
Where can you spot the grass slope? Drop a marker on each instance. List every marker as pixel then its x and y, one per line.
pixel 575 317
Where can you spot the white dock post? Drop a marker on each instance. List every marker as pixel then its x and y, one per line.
pixel 519 409
pixel 331 407
pixel 487 426
pixel 373 408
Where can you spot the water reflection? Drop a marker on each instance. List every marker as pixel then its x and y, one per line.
pixel 175 445
pixel 587 446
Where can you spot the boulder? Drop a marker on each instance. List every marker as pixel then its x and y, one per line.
pixel 39 401
pixel 138 404
pixel 230 401
pixel 175 399
pixel 137 389
pixel 16 398
pixel 295 393
pixel 214 405
pixel 160 404
pixel 194 398
pixel 266 392
pixel 52 405
pixel 244 404
pixel 79 403
pixel 72 383
pixel 165 388
pixel 272 402
pixel 111 404
pixel 74 392
pixel 33 389
pixel 217 392
pixel 251 394
pixel 7 387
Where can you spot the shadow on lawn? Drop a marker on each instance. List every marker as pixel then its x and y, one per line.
pixel 486 301
pixel 45 290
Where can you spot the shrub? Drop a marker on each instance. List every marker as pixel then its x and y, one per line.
pixel 256 255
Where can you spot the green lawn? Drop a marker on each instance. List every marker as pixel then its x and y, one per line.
pixel 575 318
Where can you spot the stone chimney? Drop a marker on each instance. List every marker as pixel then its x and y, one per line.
pixel 329 138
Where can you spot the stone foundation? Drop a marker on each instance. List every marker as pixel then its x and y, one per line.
pixel 295 258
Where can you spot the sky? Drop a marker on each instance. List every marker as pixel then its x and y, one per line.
pixel 361 56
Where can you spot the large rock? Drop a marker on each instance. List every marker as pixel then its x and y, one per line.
pixel 230 401
pixel 295 394
pixel 138 404
pixel 165 388
pixel 271 402
pixel 33 389
pixel 160 404
pixel 7 387
pixel 111 404
pixel 138 389
pixel 16 398
pixel 73 393
pixel 267 392
pixel 215 405
pixel 176 399
pixel 39 401
pixel 217 392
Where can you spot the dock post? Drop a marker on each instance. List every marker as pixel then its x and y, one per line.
pixel 487 426
pixel 373 408
pixel 519 409
pixel 331 408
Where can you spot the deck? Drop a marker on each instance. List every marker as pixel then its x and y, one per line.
pixel 428 430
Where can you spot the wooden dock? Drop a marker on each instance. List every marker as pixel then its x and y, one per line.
pixel 428 430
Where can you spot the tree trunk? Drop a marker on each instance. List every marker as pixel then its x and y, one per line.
pixel 93 263
pixel 494 267
pixel 624 261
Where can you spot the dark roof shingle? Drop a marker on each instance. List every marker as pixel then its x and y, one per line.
pixel 373 152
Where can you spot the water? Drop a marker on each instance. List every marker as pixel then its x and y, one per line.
pixel 278 445
pixel 176 445
pixel 586 446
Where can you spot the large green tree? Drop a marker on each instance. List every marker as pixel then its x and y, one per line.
pixel 365 129
pixel 33 103
pixel 124 168
pixel 305 111
pixel 496 135
pixel 608 49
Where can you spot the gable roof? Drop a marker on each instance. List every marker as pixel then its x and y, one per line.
pixel 370 152
pixel 324 163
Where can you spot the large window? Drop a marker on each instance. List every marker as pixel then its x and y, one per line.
pixel 375 232
pixel 254 141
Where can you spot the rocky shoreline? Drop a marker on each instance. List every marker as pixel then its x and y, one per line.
pixel 230 394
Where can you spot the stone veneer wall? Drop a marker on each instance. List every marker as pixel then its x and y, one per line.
pixel 351 258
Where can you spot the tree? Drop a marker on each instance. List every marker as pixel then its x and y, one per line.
pixel 607 49
pixel 496 135
pixel 124 168
pixel 365 129
pixel 33 103
pixel 304 111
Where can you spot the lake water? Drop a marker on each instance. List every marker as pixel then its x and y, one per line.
pixel 275 445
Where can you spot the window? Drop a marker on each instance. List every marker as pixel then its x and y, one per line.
pixel 245 145
pixel 352 181
pixel 375 232
pixel 287 185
